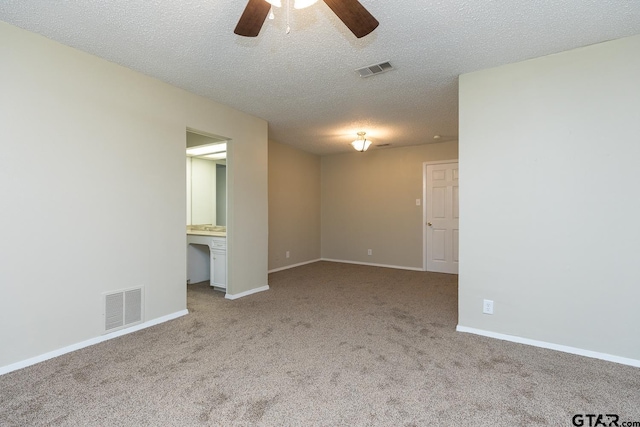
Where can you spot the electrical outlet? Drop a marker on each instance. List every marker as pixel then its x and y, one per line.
pixel 487 306
pixel 369 252
pixel 287 254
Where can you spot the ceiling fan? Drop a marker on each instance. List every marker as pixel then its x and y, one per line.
pixel 351 12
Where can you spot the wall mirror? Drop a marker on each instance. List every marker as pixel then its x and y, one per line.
pixel 206 180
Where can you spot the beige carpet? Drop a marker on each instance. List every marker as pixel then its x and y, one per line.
pixel 330 344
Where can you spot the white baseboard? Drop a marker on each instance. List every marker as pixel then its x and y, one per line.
pixel 551 346
pixel 246 293
pixel 399 267
pixel 294 265
pixel 87 343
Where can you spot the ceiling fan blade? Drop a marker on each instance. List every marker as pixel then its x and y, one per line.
pixel 354 15
pixel 252 18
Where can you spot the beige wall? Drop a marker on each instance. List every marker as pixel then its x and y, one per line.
pixel 369 202
pixel 93 191
pixel 548 199
pixel 294 206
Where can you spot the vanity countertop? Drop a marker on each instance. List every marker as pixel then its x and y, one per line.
pixel 207 233
pixel 207 230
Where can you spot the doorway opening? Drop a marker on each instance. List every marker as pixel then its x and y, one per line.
pixel 206 207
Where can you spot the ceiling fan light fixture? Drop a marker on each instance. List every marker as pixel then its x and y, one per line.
pixel 301 4
pixel 358 19
pixel 361 144
pixel 297 4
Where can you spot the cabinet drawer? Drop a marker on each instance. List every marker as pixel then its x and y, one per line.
pixel 218 244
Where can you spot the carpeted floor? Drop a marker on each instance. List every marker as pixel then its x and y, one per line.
pixel 330 344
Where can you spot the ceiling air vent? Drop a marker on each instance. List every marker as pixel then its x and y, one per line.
pixel 370 70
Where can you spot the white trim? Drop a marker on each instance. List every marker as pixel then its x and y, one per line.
pixel 246 293
pixel 551 346
pixel 294 265
pixel 399 267
pixel 440 162
pixel 89 342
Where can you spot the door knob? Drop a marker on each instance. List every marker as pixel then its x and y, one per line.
pixel 429 224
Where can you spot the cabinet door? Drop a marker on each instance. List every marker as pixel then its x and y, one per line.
pixel 219 269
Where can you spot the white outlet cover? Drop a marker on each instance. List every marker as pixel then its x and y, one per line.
pixel 417 202
pixel 487 306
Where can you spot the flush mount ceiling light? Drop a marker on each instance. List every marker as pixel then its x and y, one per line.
pixel 445 138
pixel 361 144
pixel 201 150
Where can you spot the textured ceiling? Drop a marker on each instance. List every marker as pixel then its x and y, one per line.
pixel 304 83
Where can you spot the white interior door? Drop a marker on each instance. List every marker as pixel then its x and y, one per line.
pixel 441 217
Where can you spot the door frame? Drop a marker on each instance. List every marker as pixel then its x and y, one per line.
pixel 424 205
pixel 228 163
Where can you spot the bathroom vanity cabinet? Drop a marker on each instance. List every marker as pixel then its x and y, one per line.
pixel 207 258
pixel 218 264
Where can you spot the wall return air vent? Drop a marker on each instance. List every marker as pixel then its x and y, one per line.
pixel 122 308
pixel 371 70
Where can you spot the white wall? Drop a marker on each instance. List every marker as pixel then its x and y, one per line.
pixel 549 203
pixel 93 192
